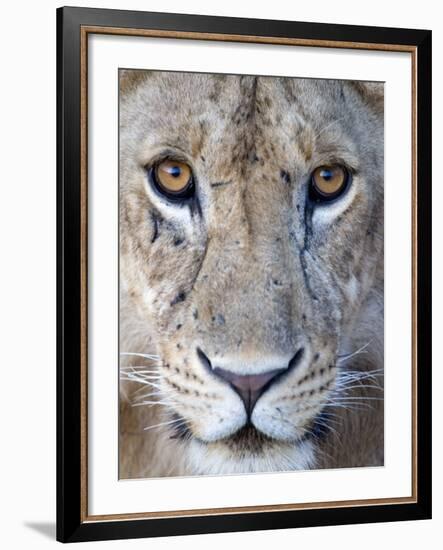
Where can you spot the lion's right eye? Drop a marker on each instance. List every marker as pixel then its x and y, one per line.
pixel 329 182
pixel 173 179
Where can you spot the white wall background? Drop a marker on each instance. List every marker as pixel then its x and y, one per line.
pixel 27 272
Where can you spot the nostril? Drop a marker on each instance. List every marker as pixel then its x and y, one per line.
pixel 296 360
pixel 204 359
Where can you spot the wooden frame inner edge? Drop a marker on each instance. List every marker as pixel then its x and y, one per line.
pixel 84 32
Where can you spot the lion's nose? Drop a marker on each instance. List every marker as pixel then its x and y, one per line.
pixel 250 387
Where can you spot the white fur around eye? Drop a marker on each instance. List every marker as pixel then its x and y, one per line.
pixel 325 213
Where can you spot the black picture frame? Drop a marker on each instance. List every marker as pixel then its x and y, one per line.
pixel 72 525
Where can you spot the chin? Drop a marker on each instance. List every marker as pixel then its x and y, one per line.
pixel 248 451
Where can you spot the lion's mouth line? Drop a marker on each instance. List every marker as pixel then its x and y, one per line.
pixel 246 437
pixel 182 430
pixel 250 434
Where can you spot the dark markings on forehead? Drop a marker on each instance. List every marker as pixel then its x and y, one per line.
pixel 295 100
pixel 245 119
pixel 200 138
pixel 247 101
pixel 306 146
pixel 267 101
pixel 218 83
pixel 288 89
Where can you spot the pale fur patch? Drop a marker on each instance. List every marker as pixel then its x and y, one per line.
pixel 217 460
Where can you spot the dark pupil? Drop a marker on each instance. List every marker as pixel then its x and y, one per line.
pixel 175 171
pixel 326 174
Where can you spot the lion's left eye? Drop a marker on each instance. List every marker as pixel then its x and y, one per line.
pixel 173 179
pixel 328 182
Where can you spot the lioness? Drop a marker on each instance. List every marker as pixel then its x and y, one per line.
pixel 251 265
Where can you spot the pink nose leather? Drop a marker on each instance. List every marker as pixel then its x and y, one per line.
pixel 249 387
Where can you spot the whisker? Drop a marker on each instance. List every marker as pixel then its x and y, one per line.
pixel 318 449
pixel 348 406
pixel 138 371
pixel 150 394
pixel 168 423
pixel 345 357
pixel 328 126
pixel 152 403
pixel 136 367
pixel 158 390
pixel 337 416
pixel 361 374
pixel 145 355
pixel 343 388
pixel 327 426
pixel 138 391
pixel 356 398
pixel 127 371
pixel 138 376
pixel 144 382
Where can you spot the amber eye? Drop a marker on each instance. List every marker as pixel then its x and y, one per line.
pixel 173 179
pixel 328 182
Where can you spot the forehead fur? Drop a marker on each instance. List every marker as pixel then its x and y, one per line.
pixel 229 118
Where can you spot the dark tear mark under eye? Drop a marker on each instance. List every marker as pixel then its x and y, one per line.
pixel 156 221
pixel 309 210
pixel 195 206
pixel 305 249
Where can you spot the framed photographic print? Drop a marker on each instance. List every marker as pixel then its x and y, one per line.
pixel 244 274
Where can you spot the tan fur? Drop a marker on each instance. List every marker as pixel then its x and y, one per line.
pixel 249 272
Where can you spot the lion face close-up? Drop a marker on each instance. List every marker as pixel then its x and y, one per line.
pixel 251 274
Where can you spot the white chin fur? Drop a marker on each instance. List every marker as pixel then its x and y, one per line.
pixel 217 459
